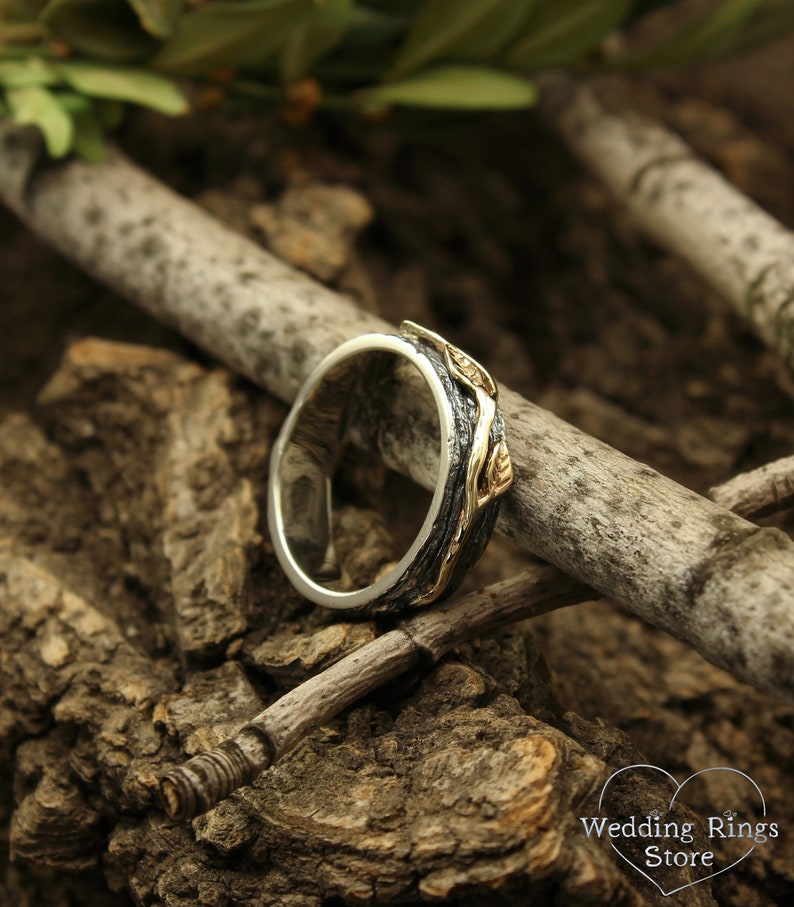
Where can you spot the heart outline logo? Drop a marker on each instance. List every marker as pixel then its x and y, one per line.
pixel 678 788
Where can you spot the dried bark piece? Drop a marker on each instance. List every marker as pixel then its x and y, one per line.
pixel 313 226
pixel 65 660
pixel 210 707
pixel 291 656
pixel 210 521
pixel 53 825
pixel 154 434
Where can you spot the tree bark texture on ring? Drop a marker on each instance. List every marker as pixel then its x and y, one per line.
pixel 717 582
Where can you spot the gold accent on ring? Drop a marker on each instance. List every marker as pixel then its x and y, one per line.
pixel 489 472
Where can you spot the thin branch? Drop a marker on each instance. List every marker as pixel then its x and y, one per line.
pixel 677 560
pixel 682 203
pixel 206 779
pixel 761 492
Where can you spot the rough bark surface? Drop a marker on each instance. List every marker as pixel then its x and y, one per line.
pixel 763 491
pixel 679 561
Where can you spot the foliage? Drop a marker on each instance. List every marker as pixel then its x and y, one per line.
pixel 67 66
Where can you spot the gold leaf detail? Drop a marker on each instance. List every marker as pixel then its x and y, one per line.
pixel 498 473
pixel 412 329
pixel 473 373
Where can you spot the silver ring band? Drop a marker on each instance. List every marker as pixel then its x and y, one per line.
pixel 474 470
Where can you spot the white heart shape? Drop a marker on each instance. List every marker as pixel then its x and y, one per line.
pixel 678 788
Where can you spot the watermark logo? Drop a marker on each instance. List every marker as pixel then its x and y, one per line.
pixel 670 849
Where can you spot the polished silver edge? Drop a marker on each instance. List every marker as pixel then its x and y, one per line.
pixel 361 598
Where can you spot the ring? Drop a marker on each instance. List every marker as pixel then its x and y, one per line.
pixel 352 384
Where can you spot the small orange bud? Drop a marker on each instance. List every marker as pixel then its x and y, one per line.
pixel 302 99
pixel 377 114
pixel 60 49
pixel 224 74
pixel 211 96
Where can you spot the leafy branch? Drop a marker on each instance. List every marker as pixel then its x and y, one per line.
pixel 68 66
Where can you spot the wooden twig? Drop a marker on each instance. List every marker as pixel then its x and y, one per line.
pixel 200 783
pixel 677 560
pixel 761 492
pixel 681 202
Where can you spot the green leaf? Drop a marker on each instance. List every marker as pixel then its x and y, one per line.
pixel 35 106
pixel 707 36
pixel 358 58
pixel 233 33
pixel 158 17
pixel 149 89
pixel 72 103
pixel 21 10
pixel 109 113
pixel 459 87
pixel 107 29
pixel 406 8
pixel 25 72
pixel 318 34
pixel 642 8
pixel 560 32
pixel 495 31
pixel 368 27
pixel 89 139
pixel 772 19
pixel 462 29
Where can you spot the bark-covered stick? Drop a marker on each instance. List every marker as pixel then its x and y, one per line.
pixel 682 203
pixel 206 779
pixel 761 492
pixel 681 562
